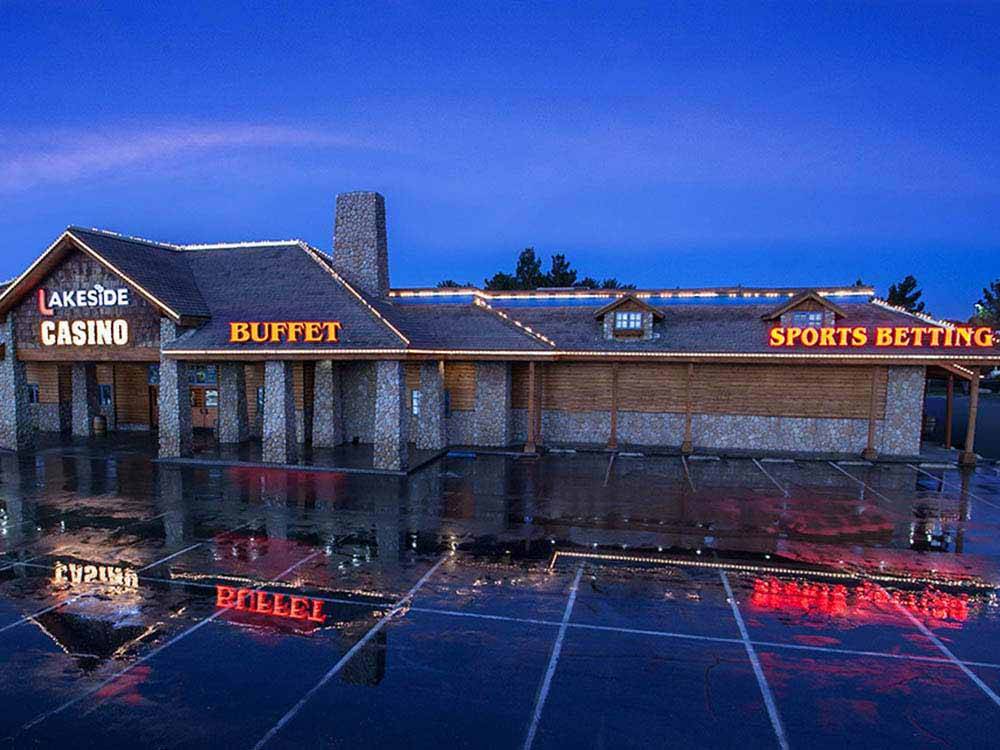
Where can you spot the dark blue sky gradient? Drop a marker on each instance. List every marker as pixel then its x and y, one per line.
pixel 666 146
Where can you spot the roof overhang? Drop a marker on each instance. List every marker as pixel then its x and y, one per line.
pixel 628 298
pixel 809 295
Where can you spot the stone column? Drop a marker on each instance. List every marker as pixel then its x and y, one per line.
pixel 328 417
pixel 175 399
pixel 431 432
pixel 16 431
pixel 233 423
pixel 491 420
pixel 391 420
pixel 280 444
pixel 84 394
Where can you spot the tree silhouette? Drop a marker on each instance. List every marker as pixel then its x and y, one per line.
pixel 988 307
pixel 906 295
pixel 528 275
pixel 560 273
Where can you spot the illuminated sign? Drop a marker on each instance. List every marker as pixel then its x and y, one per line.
pixel 98 296
pixel 266 603
pixel 83 332
pixel 833 600
pixel 78 573
pixel 285 331
pixel 980 337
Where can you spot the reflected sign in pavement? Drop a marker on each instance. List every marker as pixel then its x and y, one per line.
pixel 271 604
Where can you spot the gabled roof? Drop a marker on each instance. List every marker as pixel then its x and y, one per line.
pixel 798 299
pixel 158 272
pixel 657 314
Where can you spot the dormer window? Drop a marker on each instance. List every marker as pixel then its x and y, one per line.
pixel 807 318
pixel 628 317
pixel 628 321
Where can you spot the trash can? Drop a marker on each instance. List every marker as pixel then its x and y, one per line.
pixel 100 424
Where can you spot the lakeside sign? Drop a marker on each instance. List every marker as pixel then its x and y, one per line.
pixel 82 332
pixel 285 331
pixel 932 337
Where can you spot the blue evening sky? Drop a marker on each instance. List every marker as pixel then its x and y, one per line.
pixel 666 145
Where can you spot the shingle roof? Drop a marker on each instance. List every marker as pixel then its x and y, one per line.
pixel 276 282
pixel 161 270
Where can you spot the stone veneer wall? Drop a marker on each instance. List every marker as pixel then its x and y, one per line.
pixel 904 411
pixel 15 417
pixel 360 247
pixel 45 417
pixel 491 418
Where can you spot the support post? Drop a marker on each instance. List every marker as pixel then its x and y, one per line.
pixel 431 432
pixel 328 418
pixel 233 423
pixel 16 429
pixel 613 437
pixel 84 394
pixel 279 444
pixel 687 446
pixel 869 453
pixel 949 410
pixel 968 456
pixel 529 445
pixel 174 399
pixel 391 420
pixel 539 403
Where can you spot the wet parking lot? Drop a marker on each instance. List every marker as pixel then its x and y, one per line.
pixel 573 600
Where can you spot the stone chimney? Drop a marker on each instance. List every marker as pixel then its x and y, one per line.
pixel 360 250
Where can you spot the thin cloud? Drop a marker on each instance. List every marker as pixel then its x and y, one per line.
pixel 61 158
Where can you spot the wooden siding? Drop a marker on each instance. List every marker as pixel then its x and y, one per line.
pixel 576 386
pixel 460 382
pixel 132 393
pixel 762 390
pixel 46 376
pixel 412 372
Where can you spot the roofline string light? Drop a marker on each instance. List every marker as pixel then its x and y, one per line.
pixel 772 569
pixel 527 329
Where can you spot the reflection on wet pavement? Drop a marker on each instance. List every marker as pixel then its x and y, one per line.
pixel 498 602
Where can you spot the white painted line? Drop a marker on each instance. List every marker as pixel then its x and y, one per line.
pixel 701 457
pixel 867 487
pixel 768 460
pixel 398 607
pixel 687 473
pixel 766 474
pixel 758 670
pixel 945 482
pixel 947 652
pixel 607 474
pixel 543 692
pixel 39 613
pixel 482 616
pixel 180 636
pixel 170 557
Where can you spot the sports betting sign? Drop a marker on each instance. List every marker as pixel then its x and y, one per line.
pixel 919 337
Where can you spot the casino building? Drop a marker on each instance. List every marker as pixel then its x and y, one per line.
pixel 284 345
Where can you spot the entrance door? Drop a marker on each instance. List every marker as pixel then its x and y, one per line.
pixel 204 407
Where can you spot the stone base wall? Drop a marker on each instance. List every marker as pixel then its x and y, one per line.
pixel 461 428
pixel 904 412
pixel 45 417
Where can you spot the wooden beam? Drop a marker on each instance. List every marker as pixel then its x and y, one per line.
pixel 687 446
pixel 949 410
pixel 869 453
pixel 968 456
pixel 539 402
pixel 613 438
pixel 529 446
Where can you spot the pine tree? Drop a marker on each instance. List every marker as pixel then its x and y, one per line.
pixel 988 307
pixel 906 295
pixel 560 273
pixel 529 270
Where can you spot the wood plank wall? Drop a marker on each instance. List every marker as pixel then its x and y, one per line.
pixel 132 393
pixel 254 375
pixel 765 390
pixel 46 376
pixel 460 382
pixel 412 372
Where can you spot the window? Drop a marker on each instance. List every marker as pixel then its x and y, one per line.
pixel 447 403
pixel 211 398
pixel 153 375
pixel 415 402
pixel 104 394
pixel 807 319
pixel 628 321
pixel 260 398
pixel 202 375
pixel 32 393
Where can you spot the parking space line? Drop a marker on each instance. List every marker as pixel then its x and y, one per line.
pixel 180 636
pixel 170 557
pixel 687 473
pixel 758 670
pixel 766 474
pixel 397 608
pixel 607 474
pixel 946 651
pixel 543 692
pixel 945 482
pixel 39 613
pixel 859 481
